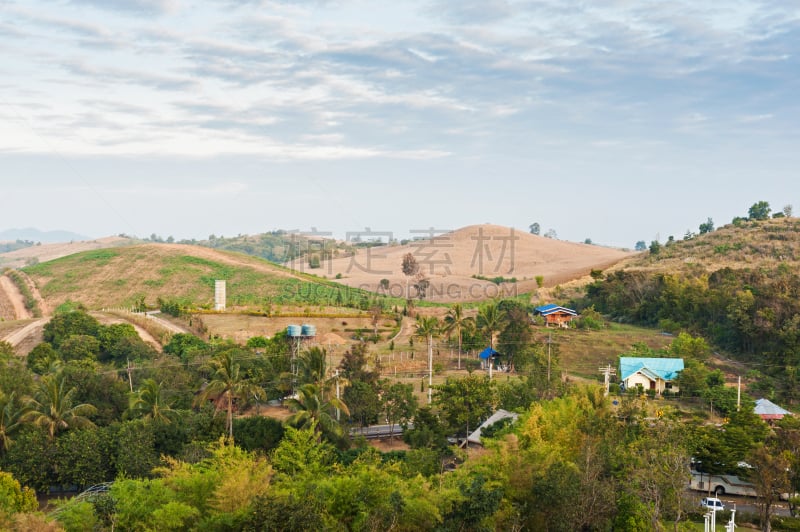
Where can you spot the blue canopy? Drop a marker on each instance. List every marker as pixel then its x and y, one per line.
pixel 488 352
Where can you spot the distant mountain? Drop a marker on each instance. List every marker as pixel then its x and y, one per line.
pixel 36 235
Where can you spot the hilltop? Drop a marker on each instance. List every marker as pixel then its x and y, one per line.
pixel 472 263
pixel 44 252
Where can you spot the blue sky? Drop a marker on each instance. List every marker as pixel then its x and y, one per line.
pixel 611 120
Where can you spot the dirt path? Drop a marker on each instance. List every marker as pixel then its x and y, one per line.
pixel 14 297
pixel 17 337
pixel 43 306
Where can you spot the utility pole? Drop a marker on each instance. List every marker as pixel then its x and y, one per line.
pixel 607 371
pixel 337 395
pixel 549 341
pixel 739 395
pixel 130 370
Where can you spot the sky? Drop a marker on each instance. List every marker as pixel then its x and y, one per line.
pixel 611 120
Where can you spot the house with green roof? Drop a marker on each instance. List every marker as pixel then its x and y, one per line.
pixel 656 374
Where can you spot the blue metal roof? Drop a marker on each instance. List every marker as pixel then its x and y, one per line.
pixel 488 352
pixel 544 310
pixel 666 368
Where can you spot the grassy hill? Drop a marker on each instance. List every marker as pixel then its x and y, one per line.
pixel 124 275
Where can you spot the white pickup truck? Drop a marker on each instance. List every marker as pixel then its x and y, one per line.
pixel 721 485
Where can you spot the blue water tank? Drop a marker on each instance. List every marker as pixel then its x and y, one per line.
pixel 294 331
pixel 309 330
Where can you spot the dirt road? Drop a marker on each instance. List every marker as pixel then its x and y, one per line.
pixel 12 295
pixel 18 336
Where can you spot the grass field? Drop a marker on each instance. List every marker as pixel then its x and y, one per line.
pixel 120 277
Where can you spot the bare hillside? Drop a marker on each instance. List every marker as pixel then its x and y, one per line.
pixel 460 265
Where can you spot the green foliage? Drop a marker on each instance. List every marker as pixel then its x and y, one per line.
pixel 77 516
pixel 759 211
pixel 14 498
pixel 655 247
pixel 539 281
pixel 258 433
pixel 64 325
pixel 465 402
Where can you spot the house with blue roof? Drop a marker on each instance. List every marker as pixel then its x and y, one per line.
pixel 556 315
pixel 656 374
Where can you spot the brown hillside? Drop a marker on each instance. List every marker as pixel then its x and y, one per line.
pixel 750 244
pixel 451 260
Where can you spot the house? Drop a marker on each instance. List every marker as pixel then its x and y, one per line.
pixel 769 411
pixel 555 315
pixel 655 374
pixel 501 414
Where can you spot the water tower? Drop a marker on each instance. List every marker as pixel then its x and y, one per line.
pixel 297 335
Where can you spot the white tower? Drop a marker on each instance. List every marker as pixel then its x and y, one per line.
pixel 219 295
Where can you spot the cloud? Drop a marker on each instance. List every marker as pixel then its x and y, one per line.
pixel 137 7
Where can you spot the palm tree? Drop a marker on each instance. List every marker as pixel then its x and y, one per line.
pixel 312 366
pixel 149 403
pixel 427 327
pixel 54 409
pixel 455 321
pixel 490 322
pixel 11 413
pixel 228 382
pixel 311 410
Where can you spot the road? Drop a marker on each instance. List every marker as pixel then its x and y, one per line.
pixel 17 337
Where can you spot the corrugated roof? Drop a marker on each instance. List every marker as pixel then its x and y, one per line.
pixel 665 368
pixel 475 437
pixel 768 409
pixel 488 352
pixel 544 310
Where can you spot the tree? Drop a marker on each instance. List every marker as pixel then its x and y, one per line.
pixel 54 408
pixel 41 358
pixel 707 227
pixel 464 403
pixel 456 321
pixel 535 228
pixel 14 498
pixel 149 403
pixel 228 382
pixel 771 478
pixel 65 324
pixel 517 334
pixel 410 268
pixel 551 233
pixel 313 412
pixel 640 245
pixel 655 247
pixel 787 211
pixel 11 413
pixel 354 365
pixel 79 347
pixel 490 321
pixel 427 327
pixel 759 211
pixel 399 404
pixel 365 404
pixel 312 366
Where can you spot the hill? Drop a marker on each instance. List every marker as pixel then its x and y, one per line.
pixel 473 263
pixel 747 244
pixel 126 276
